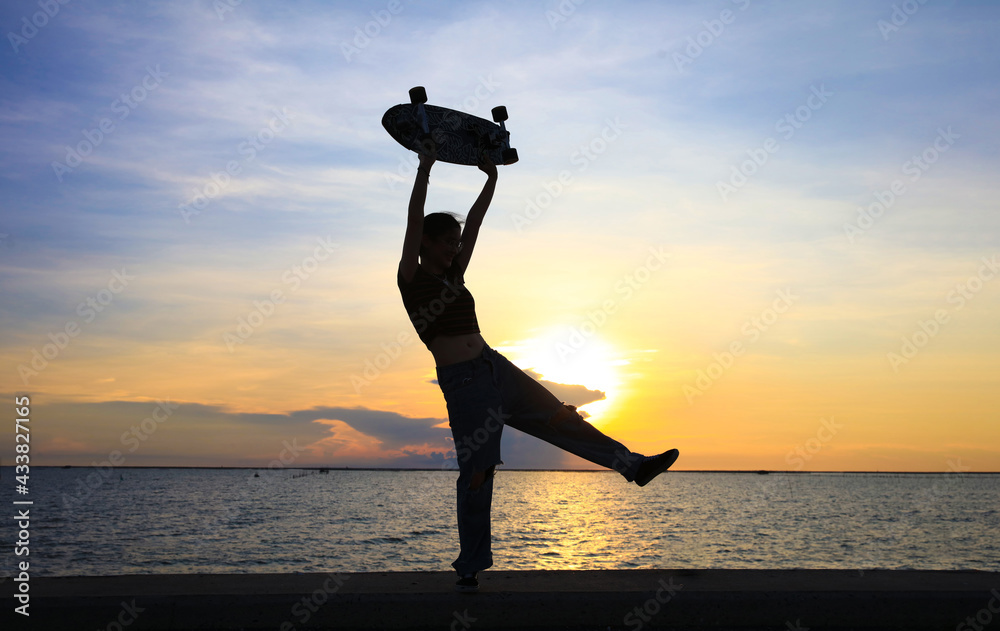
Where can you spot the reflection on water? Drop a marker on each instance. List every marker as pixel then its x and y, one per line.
pixel 225 521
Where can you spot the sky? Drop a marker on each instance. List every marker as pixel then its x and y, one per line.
pixel 764 233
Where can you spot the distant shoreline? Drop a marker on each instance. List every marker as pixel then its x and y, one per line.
pixel 447 470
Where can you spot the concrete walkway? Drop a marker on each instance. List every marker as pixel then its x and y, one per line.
pixel 780 600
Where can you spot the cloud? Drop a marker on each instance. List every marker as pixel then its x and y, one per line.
pixel 572 394
pixel 147 432
pixel 392 430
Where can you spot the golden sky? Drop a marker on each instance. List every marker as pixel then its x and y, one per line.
pixel 770 254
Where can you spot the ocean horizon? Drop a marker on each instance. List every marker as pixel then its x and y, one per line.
pixel 672 470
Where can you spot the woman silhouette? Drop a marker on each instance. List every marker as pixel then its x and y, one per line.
pixel 482 389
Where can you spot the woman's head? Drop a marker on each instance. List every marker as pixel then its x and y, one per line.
pixel 437 224
pixel 442 238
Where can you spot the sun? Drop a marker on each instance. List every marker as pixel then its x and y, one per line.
pixel 566 356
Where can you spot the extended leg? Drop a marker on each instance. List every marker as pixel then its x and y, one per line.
pixel 566 429
pixel 568 419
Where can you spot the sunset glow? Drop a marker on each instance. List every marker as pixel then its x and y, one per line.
pixel 776 249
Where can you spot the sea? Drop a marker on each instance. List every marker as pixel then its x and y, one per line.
pixel 88 522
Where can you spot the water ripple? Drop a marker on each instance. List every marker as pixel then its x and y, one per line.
pixel 226 521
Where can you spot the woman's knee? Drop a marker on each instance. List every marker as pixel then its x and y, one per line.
pixel 478 478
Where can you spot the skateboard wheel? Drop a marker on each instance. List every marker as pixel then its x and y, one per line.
pixel 499 114
pixel 418 95
pixel 509 156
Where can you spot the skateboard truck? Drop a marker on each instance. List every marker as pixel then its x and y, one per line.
pixel 509 153
pixel 418 96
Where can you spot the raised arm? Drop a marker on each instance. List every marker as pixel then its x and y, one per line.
pixel 415 220
pixel 476 214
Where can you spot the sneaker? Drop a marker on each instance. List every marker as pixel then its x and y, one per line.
pixel 468 583
pixel 652 466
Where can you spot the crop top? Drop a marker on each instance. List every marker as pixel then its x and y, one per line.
pixel 438 307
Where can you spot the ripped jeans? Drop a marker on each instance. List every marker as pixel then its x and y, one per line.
pixel 483 395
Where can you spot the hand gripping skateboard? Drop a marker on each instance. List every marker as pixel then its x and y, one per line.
pixel 449 135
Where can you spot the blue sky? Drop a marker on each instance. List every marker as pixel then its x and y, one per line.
pixel 289 96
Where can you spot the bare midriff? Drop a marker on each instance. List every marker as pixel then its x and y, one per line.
pixel 452 349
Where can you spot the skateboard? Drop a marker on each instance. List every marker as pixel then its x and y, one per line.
pixel 449 135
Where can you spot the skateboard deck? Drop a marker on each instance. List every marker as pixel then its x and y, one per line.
pixel 450 135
